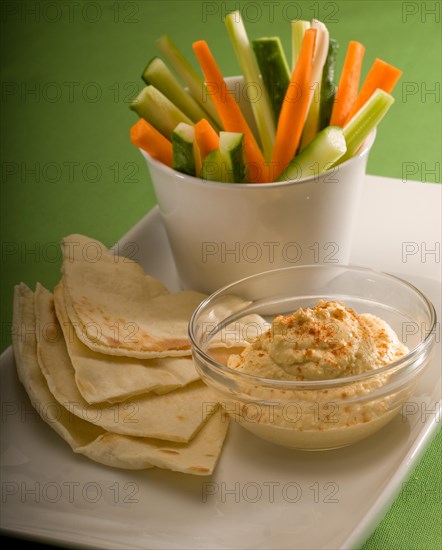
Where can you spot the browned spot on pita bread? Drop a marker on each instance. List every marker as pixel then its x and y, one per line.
pixel 113 342
pixel 83 387
pixel 110 437
pixel 170 451
pixel 51 333
pixel 200 469
pixel 149 343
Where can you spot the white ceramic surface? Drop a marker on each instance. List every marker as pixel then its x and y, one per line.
pixel 325 500
pixel 220 233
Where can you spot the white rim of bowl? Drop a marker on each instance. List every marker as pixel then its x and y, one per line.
pixel 198 181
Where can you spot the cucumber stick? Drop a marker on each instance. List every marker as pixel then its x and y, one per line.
pixel 261 106
pixel 231 145
pixel 189 76
pixel 197 158
pixel 274 70
pixel 319 155
pixel 328 86
pixel 213 167
pixel 183 159
pixel 158 74
pixel 357 130
pixel 226 164
pixel 159 111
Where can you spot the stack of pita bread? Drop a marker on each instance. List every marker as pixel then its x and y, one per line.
pixel 106 362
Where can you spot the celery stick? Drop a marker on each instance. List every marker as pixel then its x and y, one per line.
pixel 357 130
pixel 328 86
pixel 311 126
pixel 274 70
pixel 158 74
pixel 261 106
pixel 298 29
pixel 183 159
pixel 188 74
pixel 154 107
pixel 319 155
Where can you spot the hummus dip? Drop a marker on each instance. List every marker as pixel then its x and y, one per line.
pixel 325 343
pixel 320 343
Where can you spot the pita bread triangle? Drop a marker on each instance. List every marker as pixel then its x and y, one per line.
pixel 113 378
pixel 117 309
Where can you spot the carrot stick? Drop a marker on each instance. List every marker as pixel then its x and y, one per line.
pixel 381 75
pixel 231 116
pixel 348 84
pixel 294 109
pixel 148 138
pixel 206 138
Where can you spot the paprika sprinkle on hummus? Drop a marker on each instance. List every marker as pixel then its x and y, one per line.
pixel 323 342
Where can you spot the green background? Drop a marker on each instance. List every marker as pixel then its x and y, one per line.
pixel 69 71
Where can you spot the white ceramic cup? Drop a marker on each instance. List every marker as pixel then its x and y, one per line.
pixel 221 232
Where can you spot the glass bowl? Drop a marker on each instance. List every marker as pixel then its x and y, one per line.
pixel 313 414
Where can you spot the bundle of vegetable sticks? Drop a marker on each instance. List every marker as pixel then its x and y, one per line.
pixel 304 122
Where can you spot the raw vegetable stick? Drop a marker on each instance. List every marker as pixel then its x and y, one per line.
pixel 328 86
pixel 274 70
pixel 148 138
pixel 294 107
pixel 311 126
pixel 214 167
pixel 365 121
pixel 188 74
pixel 206 138
pixel 382 75
pixel 158 74
pixel 231 145
pixel 183 139
pixel 197 156
pixel 261 106
pixel 348 84
pixel 230 113
pixel 298 30
pixel 159 111
pixel 226 164
pixel 319 155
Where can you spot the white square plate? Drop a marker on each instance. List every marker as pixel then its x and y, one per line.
pixel 261 496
